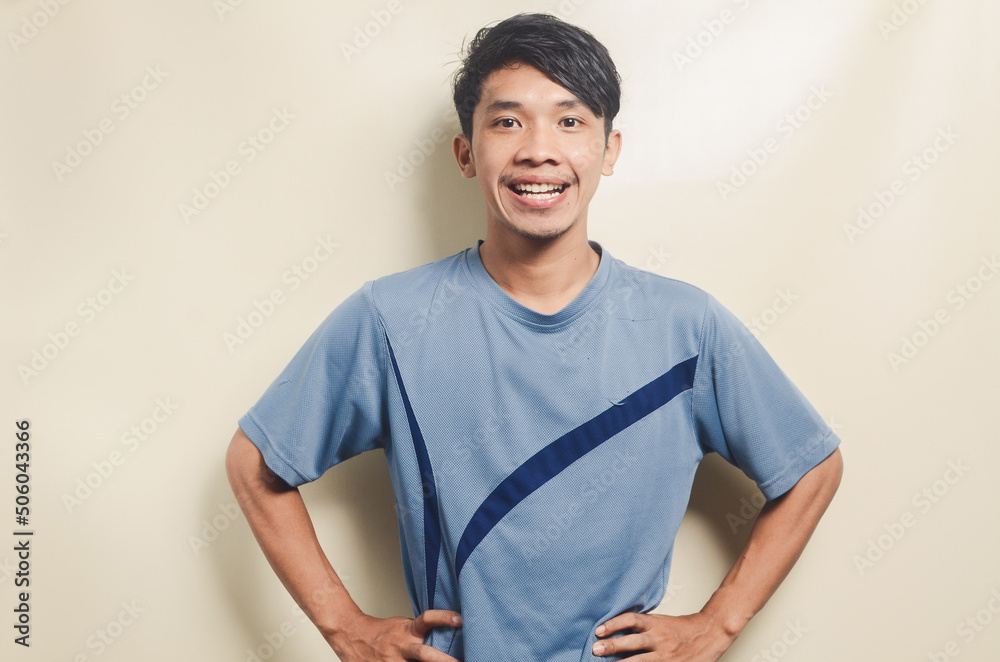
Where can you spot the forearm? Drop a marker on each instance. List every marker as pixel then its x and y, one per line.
pixel 283 529
pixel 781 532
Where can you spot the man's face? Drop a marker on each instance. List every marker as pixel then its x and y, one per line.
pixel 529 130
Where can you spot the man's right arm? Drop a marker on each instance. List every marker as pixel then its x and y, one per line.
pixel 283 529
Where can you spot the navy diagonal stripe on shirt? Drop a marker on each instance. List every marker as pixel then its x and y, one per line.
pixel 432 527
pixel 549 461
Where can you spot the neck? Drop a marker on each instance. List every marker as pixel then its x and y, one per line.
pixel 544 275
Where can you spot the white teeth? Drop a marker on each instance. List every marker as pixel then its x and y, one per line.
pixel 539 191
pixel 537 188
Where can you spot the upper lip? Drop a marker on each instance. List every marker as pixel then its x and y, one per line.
pixel 528 179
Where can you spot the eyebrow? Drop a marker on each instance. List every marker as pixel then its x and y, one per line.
pixel 517 105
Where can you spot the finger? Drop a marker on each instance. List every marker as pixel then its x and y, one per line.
pixel 628 643
pixel 434 618
pixel 422 653
pixel 627 621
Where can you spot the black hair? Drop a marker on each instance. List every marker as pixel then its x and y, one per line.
pixel 569 55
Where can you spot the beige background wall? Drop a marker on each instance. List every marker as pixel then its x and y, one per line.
pixel 893 109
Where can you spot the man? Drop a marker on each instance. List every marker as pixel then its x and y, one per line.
pixel 542 406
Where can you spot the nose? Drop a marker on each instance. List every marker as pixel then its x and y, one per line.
pixel 539 145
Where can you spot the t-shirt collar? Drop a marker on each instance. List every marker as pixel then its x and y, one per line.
pixel 488 288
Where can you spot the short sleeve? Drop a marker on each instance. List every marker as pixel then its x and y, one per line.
pixel 328 404
pixel 748 410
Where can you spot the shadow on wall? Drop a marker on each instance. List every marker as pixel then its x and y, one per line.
pixel 726 503
pixel 449 205
pixel 357 497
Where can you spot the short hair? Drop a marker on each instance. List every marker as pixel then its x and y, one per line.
pixel 567 54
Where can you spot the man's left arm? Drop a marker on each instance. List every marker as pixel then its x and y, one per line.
pixel 782 530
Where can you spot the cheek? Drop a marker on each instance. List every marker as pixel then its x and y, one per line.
pixel 587 158
pixel 592 151
pixel 586 168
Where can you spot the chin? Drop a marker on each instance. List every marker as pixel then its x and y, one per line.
pixel 539 233
pixel 542 235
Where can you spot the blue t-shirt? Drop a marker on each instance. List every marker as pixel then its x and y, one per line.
pixel 541 464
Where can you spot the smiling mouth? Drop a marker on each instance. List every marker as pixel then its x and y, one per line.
pixel 538 191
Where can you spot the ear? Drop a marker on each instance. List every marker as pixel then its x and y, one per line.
pixel 611 152
pixel 462 147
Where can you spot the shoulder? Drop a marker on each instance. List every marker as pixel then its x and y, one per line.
pixel 660 296
pixel 414 288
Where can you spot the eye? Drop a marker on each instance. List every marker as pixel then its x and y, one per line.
pixel 500 122
pixel 575 122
